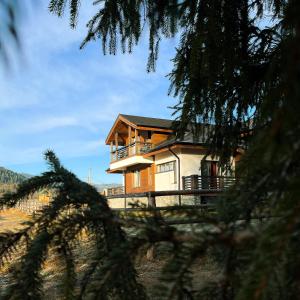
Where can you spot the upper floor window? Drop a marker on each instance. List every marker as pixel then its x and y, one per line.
pixel 149 134
pixel 166 167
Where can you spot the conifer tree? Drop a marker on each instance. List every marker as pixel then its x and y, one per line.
pixel 77 208
pixel 237 65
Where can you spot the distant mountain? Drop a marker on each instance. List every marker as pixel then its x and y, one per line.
pixel 8 176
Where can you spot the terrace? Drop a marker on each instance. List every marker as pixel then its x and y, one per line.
pixel 135 148
pixel 217 183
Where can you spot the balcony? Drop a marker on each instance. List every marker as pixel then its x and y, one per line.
pixel 130 155
pixel 136 148
pixel 196 182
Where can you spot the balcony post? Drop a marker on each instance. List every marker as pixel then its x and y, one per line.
pixel 184 183
pixel 194 182
pixel 136 140
pixel 111 150
pixel 129 135
pixel 129 140
pixel 151 200
pixel 117 144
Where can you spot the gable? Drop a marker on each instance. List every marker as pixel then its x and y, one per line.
pixel 122 123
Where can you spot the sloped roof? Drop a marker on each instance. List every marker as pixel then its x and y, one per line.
pixel 149 122
pixel 188 138
pixel 144 123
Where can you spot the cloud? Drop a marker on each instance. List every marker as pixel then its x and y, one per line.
pixel 37 125
pixel 35 154
pixel 66 99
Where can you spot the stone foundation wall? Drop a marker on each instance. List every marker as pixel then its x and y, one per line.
pixel 160 201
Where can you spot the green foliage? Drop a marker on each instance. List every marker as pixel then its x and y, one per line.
pixel 255 252
pixel 76 206
pixel 8 23
pixel 231 66
pixel 238 66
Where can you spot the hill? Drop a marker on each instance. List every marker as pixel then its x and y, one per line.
pixel 8 176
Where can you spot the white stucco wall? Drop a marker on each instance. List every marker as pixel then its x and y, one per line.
pixel 165 181
pixel 120 202
pixel 190 164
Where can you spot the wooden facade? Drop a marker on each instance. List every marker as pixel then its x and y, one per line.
pixel 147 180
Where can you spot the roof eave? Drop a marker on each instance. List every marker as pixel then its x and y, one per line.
pixel 173 146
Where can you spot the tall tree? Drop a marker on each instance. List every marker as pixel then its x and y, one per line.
pixel 230 60
pixel 237 65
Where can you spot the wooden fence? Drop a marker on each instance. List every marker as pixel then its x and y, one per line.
pixel 151 196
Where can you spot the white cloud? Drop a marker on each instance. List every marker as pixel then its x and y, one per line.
pixel 35 154
pixel 37 125
pixel 66 99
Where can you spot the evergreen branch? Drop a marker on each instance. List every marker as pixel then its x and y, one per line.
pixel 76 206
pixel 29 282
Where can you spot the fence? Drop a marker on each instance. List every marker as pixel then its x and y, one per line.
pixel 197 182
pixel 164 198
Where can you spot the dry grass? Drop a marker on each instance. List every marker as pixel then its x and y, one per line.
pixel 11 219
pixel 148 270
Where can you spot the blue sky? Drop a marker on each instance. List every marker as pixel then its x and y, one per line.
pixel 65 99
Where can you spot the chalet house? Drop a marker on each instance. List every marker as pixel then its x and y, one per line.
pixel 150 157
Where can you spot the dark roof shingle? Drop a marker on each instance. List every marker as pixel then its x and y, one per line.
pixel 149 122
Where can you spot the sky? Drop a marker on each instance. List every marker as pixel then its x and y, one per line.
pixel 56 96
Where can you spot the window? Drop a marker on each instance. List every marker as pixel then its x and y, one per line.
pixel 149 134
pixel 137 178
pixel 209 168
pixel 166 167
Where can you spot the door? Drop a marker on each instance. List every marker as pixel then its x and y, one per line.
pixel 209 171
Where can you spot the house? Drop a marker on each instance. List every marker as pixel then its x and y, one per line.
pixel 151 158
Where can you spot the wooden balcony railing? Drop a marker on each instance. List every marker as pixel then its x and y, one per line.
pixel 135 148
pixel 197 182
